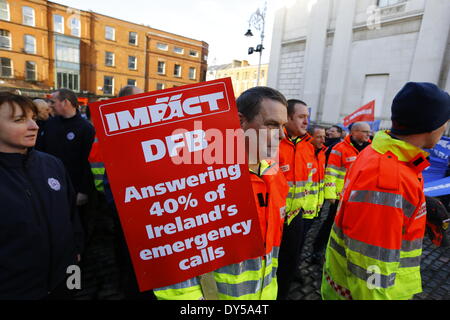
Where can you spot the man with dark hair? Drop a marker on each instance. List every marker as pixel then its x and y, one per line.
pixel 296 162
pixel 317 134
pixel 129 91
pixel 69 137
pixel 260 109
pixel 334 136
pixel 249 102
pixel 375 245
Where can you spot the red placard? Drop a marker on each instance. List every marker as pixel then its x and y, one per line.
pixel 365 113
pixel 180 180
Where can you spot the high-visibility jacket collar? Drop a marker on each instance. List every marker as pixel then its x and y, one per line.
pixel 348 141
pixel 403 150
pixel 295 141
pixel 264 167
pixel 317 151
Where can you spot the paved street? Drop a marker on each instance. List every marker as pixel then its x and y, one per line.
pixel 435 267
pixel 100 271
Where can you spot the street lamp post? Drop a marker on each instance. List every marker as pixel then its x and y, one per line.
pixel 257 20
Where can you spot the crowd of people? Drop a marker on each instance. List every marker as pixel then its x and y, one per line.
pixel 53 183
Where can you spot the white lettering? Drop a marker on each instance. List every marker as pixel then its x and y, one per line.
pixel 147 149
pixel 162 110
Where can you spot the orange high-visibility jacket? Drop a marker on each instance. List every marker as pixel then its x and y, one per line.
pixel 296 160
pixel 341 157
pixel 255 278
pixel 318 176
pixel 375 244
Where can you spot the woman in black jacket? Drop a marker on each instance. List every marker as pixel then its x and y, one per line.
pixel 40 234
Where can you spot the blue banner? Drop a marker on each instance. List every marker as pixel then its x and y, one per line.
pixel 437 188
pixel 439 157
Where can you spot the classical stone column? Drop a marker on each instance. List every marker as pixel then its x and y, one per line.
pixel 339 62
pixel 275 51
pixel 432 42
pixel 314 54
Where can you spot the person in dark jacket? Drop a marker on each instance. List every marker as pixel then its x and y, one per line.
pixel 40 234
pixel 69 137
pixel 334 136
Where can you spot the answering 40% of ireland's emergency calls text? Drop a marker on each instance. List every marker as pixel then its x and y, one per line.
pixel 172 205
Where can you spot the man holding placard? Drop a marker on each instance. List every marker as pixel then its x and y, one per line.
pixel 191 206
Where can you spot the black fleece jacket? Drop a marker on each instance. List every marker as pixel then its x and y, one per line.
pixel 71 141
pixel 40 232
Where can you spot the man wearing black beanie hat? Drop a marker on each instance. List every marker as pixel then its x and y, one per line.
pixel 376 241
pixel 418 108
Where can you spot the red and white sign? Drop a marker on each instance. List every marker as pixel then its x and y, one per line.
pixel 186 206
pixel 365 113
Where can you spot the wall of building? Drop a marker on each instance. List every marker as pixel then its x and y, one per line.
pixel 360 52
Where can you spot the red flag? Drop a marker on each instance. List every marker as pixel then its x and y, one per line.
pixel 365 113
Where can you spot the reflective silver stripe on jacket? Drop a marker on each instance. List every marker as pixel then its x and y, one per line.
pixel 384 199
pixel 375 252
pixel 238 268
pixel 338 153
pixel 251 286
pixel 335 174
pixel 361 273
pixel 330 166
pixel 181 285
pixel 291 184
pixel 412 245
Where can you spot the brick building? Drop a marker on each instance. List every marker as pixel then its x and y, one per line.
pixel 45 45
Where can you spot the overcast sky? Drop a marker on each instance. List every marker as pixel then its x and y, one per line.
pixel 221 23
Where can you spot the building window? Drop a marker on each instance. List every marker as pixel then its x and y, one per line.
pixel 29 44
pixel 6 69
pixel 161 67
pixel 67 80
pixel 108 85
pixel 178 50
pixel 58 23
pixel 5 39
pixel 160 86
pixel 28 16
pixel 193 53
pixel 177 70
pixel 75 27
pixel 67 53
pixel 132 63
pixel 192 73
pixel 109 59
pixel 162 46
pixel 131 82
pixel 30 69
pixel 4 10
pixel 387 3
pixel 133 38
pixel 110 33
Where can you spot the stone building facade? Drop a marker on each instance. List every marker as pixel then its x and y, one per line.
pixel 338 55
